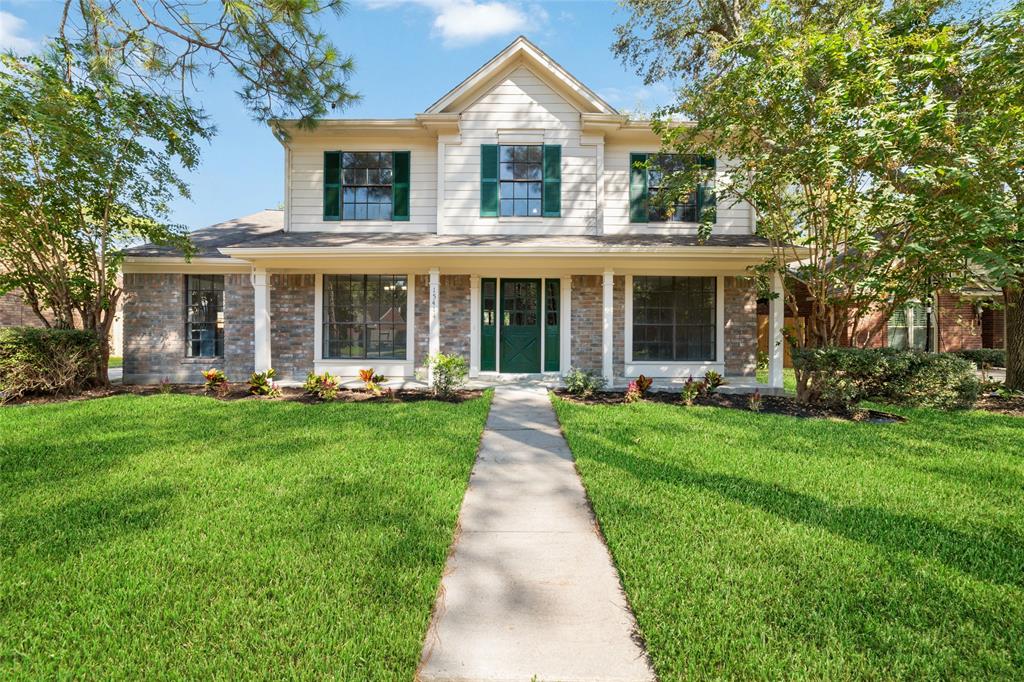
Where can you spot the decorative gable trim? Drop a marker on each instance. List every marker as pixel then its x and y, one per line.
pixel 546 68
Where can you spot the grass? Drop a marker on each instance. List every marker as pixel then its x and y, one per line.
pixel 788 378
pixel 115 361
pixel 182 537
pixel 765 546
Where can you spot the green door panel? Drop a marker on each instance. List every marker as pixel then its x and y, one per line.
pixel 520 326
pixel 488 324
pixel 552 318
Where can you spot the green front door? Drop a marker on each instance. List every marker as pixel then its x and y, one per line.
pixel 520 326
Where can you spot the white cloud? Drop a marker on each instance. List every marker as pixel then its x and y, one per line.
pixel 639 99
pixel 10 28
pixel 465 22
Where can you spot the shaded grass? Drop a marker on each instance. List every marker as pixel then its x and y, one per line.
pixel 788 378
pixel 115 361
pixel 179 536
pixel 773 547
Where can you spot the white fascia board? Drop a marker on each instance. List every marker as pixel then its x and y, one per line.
pixel 177 264
pixel 508 251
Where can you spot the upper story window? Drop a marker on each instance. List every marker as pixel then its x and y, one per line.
pixel 522 181
pixel 647 204
pixel 204 316
pixel 522 174
pixel 366 185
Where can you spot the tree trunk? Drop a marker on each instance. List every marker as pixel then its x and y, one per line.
pixel 1013 296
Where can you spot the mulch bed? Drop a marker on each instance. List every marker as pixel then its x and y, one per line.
pixel 770 404
pixel 1013 406
pixel 240 392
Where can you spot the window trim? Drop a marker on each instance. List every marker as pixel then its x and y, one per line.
pixel 930 332
pixel 364 278
pixel 674 369
pixel 340 186
pixel 348 366
pixel 187 323
pixel 661 224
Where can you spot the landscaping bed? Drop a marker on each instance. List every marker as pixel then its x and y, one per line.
pixel 770 404
pixel 241 392
pixel 756 546
pixel 177 536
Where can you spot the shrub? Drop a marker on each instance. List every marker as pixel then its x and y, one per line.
pixel 323 386
pixel 712 380
pixel 983 358
pixel 40 361
pixel 583 383
pixel 841 377
pixel 372 381
pixel 450 372
pixel 633 393
pixel 691 389
pixel 216 380
pixel 262 383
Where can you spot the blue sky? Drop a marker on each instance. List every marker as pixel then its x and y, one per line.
pixel 408 53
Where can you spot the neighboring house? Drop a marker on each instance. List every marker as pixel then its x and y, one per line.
pixel 507 224
pixel 964 320
pixel 14 312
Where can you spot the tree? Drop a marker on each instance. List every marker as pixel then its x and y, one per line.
pixel 839 118
pixel 282 58
pixel 992 125
pixel 84 168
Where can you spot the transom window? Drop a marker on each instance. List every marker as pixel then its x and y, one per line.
pixel 366 185
pixel 521 176
pixel 204 316
pixel 674 319
pixel 364 316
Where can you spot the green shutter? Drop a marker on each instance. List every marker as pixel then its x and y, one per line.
pixel 400 186
pixel 706 192
pixel 332 185
pixel 637 189
pixel 552 180
pixel 489 181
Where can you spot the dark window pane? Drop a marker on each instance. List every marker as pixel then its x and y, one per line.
pixel 674 319
pixel 371 309
pixel 520 171
pixel 204 315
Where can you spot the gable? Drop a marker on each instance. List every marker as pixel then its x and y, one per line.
pixel 520 98
pixel 521 53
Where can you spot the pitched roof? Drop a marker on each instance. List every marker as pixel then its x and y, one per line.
pixel 209 239
pixel 522 50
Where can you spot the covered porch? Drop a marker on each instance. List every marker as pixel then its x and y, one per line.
pixel 517 308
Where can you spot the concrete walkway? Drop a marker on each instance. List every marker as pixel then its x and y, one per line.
pixel 530 591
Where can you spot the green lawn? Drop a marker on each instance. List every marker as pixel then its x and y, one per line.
pixel 115 361
pixel 788 378
pixel 759 546
pixel 181 537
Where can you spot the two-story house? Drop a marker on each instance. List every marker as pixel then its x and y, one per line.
pixel 508 223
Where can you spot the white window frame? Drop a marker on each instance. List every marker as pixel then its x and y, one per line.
pixel 350 367
pixel 675 369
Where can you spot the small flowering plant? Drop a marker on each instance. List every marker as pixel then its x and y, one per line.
pixel 323 386
pixel 691 390
pixel 216 380
pixel 262 383
pixel 755 401
pixel 712 380
pixel 372 381
pixel 638 388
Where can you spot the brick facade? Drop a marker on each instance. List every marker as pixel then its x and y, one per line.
pixel 619 325
pixel 740 326
pixel 292 325
pixel 587 303
pixel 993 328
pixel 14 312
pixel 422 321
pixel 239 347
pixel 455 315
pixel 957 323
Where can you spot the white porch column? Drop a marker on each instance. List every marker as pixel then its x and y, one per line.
pixel 776 318
pixel 474 325
pixel 434 308
pixel 565 326
pixel 607 326
pixel 261 319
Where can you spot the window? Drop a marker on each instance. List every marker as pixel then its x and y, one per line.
pixel 521 175
pixel 204 316
pixel 646 185
pixel 364 316
pixel 909 328
pixel 366 186
pixel 674 319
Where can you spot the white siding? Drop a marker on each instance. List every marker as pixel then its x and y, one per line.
pixel 307 175
pixel 731 218
pixel 520 103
